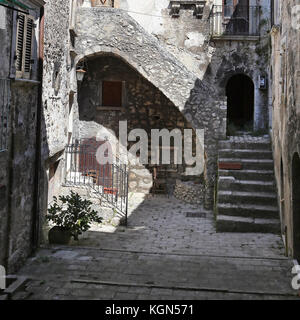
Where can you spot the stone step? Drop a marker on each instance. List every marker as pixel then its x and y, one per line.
pixel 262 145
pixel 248 210
pixel 232 184
pixel 243 197
pixel 258 175
pixel 251 164
pixel 247 225
pixel 245 154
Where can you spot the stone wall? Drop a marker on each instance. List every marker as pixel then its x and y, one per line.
pixel 6 18
pixel 189 40
pixel 5 48
pixel 189 192
pixel 18 105
pixel 58 95
pixel 23 145
pixel 145 108
pixel 56 77
pixel 110 31
pixel 285 67
pixel 179 57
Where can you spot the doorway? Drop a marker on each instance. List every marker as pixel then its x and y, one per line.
pixel 296 204
pixel 240 103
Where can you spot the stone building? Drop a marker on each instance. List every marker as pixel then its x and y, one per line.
pixel 189 54
pixel 20 105
pixel 167 64
pixel 285 82
pixel 186 64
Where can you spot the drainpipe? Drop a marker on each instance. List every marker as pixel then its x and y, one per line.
pixel 38 168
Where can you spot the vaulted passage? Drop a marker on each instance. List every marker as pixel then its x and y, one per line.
pixel 144 54
pixel 296 205
pixel 113 91
pixel 240 102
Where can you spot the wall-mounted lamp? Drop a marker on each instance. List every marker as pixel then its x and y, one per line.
pixel 262 80
pixel 81 70
pixel 80 74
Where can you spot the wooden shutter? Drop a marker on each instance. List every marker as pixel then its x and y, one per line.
pixel 112 93
pixel 24 36
pixel 20 43
pixel 28 47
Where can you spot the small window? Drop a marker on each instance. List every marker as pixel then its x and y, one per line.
pixel 24 41
pixel 112 92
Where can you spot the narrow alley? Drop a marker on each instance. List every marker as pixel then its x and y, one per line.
pixel 170 250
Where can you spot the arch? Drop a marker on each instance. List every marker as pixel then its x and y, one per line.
pixel 143 105
pixel 240 102
pixel 296 205
pixel 177 98
pixel 102 51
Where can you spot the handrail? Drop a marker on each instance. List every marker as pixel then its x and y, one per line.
pixel 109 181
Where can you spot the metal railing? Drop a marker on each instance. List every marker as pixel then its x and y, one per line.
pixel 235 20
pixel 109 181
pixel 4 113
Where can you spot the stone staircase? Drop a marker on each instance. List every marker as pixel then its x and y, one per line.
pixel 165 181
pixel 246 196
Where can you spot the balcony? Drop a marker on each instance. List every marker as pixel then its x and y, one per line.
pixel 235 22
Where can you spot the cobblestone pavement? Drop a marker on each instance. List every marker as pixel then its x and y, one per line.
pixel 163 254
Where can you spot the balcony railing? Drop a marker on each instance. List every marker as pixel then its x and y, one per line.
pixel 235 20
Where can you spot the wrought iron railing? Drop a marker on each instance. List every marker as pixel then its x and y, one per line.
pixel 235 20
pixel 109 181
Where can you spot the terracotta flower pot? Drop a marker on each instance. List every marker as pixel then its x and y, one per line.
pixel 59 235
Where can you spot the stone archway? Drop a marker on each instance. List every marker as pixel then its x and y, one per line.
pixel 296 205
pixel 112 91
pixel 240 102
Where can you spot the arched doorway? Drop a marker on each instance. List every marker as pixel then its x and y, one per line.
pixel 240 102
pixel 296 204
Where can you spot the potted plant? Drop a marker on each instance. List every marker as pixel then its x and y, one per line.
pixel 72 216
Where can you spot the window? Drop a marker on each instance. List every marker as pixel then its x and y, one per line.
pixel 24 42
pixel 272 12
pixel 113 94
pixel 228 7
pixel 231 6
